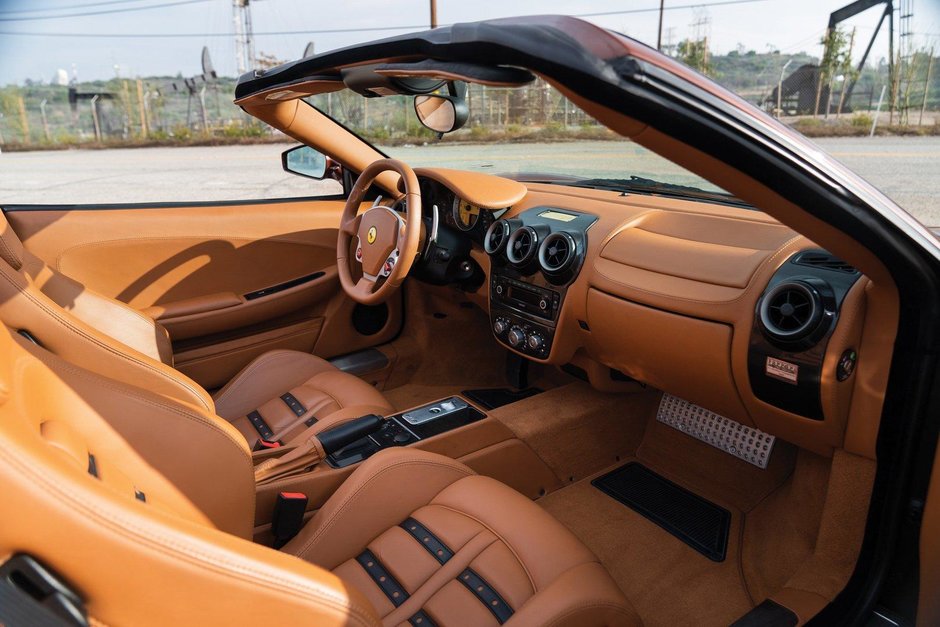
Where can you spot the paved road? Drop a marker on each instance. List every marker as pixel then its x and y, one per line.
pixel 907 169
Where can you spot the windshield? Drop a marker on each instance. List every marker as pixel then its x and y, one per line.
pixel 532 133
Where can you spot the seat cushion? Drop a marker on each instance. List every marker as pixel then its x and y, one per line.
pixel 318 390
pixel 429 542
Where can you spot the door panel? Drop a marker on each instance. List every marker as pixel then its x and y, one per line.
pixel 228 280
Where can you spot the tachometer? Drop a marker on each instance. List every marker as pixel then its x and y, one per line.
pixel 465 215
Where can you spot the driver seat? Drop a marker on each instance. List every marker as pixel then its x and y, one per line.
pixel 276 397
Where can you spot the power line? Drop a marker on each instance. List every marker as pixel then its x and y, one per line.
pixel 670 8
pixel 101 12
pixel 303 32
pixel 67 8
pixel 178 35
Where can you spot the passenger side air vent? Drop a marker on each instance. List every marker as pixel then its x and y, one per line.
pixel 823 259
pixel 791 311
pixel 522 245
pixel 494 242
pixel 557 253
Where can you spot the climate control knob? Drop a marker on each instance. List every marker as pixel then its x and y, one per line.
pixel 516 337
pixel 535 342
pixel 500 326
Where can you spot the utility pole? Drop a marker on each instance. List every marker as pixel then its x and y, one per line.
pixel 780 87
pixel 24 121
pixel 45 122
pixel 923 104
pixel 433 13
pixel 659 34
pixel 94 116
pixel 244 37
pixel 140 109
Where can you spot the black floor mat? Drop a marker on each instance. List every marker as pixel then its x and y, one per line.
pixel 699 523
pixel 491 398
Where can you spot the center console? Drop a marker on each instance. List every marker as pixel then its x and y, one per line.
pixel 407 428
pixel 535 257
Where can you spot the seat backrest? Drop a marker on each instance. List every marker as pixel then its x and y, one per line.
pixel 86 328
pixel 135 547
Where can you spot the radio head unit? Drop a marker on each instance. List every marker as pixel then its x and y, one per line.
pixel 525 297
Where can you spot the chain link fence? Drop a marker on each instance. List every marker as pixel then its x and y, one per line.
pixel 125 111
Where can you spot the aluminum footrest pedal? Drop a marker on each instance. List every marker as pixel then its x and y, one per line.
pixel 747 443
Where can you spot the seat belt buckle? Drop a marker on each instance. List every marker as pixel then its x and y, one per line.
pixel 264 445
pixel 288 518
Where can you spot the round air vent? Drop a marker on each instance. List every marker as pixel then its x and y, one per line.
pixel 557 253
pixel 494 242
pixel 522 245
pixel 791 311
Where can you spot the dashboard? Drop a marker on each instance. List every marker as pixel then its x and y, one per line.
pixel 722 306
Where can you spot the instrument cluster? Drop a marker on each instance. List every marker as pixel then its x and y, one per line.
pixel 454 211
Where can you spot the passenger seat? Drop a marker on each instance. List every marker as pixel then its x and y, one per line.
pixel 119 342
pixel 411 538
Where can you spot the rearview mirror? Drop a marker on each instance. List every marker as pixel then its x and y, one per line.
pixel 441 114
pixel 305 161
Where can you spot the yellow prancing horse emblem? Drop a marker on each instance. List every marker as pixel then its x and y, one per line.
pixel 370 236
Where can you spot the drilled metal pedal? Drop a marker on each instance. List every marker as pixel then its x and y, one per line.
pixel 747 443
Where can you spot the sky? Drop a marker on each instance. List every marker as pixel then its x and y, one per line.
pixel 36 48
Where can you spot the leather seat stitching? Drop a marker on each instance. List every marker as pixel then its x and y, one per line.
pixel 242 377
pixel 322 390
pixel 166 544
pixel 343 506
pixel 525 568
pixel 13 256
pixel 56 317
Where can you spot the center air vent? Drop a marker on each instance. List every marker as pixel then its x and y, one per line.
pixel 791 311
pixel 495 239
pixel 522 245
pixel 557 253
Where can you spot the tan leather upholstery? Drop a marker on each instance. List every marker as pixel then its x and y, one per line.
pixel 535 565
pixel 203 456
pixel 80 500
pixel 157 561
pixel 320 387
pixel 121 343
pixel 44 303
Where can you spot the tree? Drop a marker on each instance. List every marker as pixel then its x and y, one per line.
pixel 694 53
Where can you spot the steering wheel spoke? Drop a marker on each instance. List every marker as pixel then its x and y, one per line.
pixel 351 227
pixel 365 286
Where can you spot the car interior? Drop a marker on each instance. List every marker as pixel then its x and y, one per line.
pixel 442 397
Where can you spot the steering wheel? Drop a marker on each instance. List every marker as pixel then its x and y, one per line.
pixel 385 243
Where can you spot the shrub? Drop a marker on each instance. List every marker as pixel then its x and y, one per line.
pixel 182 132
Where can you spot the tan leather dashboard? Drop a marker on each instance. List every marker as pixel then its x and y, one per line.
pixel 482 190
pixel 667 295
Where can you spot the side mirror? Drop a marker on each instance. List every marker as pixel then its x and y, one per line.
pixel 441 114
pixel 305 161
